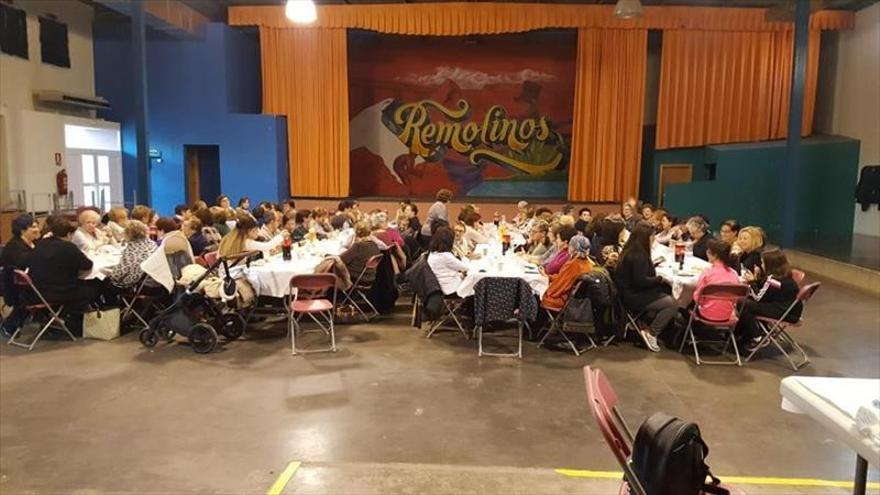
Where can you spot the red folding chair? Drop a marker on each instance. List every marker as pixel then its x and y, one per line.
pixel 732 294
pixel 360 288
pixel 308 296
pixel 23 280
pixel 798 276
pixel 602 401
pixel 776 329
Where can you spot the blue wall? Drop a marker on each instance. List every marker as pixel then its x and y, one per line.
pixel 196 90
pixel 749 180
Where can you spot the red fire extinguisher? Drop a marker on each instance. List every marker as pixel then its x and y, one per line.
pixel 61 182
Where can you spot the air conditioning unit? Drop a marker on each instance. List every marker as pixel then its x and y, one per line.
pixel 71 100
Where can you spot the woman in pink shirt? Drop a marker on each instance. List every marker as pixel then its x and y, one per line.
pixel 720 272
pixel 554 264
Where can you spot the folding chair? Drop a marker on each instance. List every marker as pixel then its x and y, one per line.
pixel 359 288
pixel 211 258
pixel 798 276
pixel 308 295
pixel 452 304
pixel 729 293
pixel 131 298
pixel 511 287
pixel 559 325
pixel 602 401
pixel 776 329
pixel 22 279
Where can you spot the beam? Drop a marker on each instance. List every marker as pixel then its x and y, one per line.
pixel 142 133
pixel 170 16
pixel 792 169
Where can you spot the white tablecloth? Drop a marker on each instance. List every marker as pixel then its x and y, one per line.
pixel 104 260
pixel 683 282
pixel 271 277
pixel 834 403
pixel 494 265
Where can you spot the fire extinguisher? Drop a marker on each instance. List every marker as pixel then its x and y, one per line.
pixel 61 182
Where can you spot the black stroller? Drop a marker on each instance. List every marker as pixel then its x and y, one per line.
pixel 198 317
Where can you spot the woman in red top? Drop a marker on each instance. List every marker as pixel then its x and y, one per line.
pixel 560 284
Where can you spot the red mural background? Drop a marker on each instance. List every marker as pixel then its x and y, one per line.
pixel 530 75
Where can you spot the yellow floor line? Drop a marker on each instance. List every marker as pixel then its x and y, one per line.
pixel 743 480
pixel 283 478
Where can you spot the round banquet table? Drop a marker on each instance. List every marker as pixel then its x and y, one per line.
pixel 104 260
pixel 271 277
pixel 683 282
pixel 495 265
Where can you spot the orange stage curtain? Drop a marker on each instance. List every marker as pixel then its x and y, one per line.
pixel 305 77
pixel 609 101
pixel 437 19
pixel 727 87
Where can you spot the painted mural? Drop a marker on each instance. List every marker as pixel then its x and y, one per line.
pixel 484 116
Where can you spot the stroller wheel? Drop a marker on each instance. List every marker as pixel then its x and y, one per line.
pixel 148 338
pixel 202 338
pixel 231 325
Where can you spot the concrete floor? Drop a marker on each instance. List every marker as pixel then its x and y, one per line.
pixel 96 417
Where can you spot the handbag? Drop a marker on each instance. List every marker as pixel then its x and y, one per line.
pixel 101 325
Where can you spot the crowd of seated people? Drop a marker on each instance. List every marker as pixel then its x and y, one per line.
pixel 564 244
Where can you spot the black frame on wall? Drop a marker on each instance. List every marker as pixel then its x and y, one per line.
pixel 13 31
pixel 54 49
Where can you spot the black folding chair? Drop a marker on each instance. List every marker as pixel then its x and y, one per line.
pixel 23 280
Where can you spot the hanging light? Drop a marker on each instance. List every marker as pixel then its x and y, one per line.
pixel 628 9
pixel 301 11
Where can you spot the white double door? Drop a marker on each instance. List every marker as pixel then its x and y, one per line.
pixel 95 178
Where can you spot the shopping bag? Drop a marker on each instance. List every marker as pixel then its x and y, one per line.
pixel 101 324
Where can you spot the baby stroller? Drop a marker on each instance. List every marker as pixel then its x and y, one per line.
pixel 198 317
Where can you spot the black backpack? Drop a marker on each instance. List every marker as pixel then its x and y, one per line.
pixel 599 287
pixel 669 458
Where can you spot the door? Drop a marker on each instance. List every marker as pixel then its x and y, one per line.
pixel 673 173
pixel 95 178
pixel 201 172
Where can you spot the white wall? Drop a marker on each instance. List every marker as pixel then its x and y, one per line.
pixel 31 138
pixel 857 99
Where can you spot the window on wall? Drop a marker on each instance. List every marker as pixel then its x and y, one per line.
pixel 96 181
pixel 53 42
pixel 13 31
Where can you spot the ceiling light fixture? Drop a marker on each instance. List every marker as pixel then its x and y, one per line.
pixel 301 11
pixel 628 9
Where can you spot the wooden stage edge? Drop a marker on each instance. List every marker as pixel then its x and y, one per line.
pixel 853 276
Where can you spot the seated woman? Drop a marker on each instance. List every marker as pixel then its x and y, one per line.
pixel 608 233
pixel 219 218
pixel 138 248
pixel 25 232
pixel 55 265
pixel 271 221
pixel 773 290
pixel 192 229
pixel 362 249
pixel 461 247
pixel 302 219
pixel 698 229
pixel 473 234
pixel 561 283
pixel 208 231
pixel 728 233
pixel 244 238
pixel 641 290
pixel 89 236
pixel 670 231
pixel 554 264
pixel 720 272
pixel 629 212
pixel 390 237
pixel 320 222
pixel 538 244
pixel 118 219
pixel 750 242
pixel 446 267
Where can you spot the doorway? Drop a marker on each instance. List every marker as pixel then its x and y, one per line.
pixel 202 170
pixel 673 173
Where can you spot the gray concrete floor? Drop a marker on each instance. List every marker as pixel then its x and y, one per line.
pixel 96 417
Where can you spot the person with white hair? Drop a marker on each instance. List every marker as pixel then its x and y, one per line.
pixel 698 228
pixel 90 236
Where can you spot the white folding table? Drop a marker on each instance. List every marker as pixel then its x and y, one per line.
pixel 834 403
